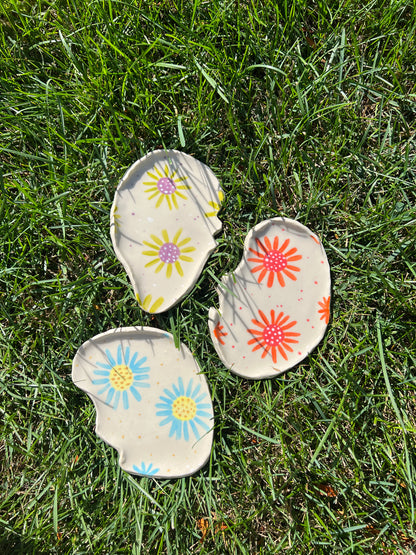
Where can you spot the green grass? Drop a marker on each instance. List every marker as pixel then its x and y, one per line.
pixel 303 109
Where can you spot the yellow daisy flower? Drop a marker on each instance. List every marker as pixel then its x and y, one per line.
pixel 165 186
pixel 169 253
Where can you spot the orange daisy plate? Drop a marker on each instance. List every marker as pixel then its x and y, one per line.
pixel 275 307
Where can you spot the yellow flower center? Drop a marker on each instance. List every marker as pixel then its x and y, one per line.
pixel 184 408
pixel 121 377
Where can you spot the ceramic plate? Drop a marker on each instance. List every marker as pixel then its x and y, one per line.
pixel 163 220
pixel 153 404
pixel 274 309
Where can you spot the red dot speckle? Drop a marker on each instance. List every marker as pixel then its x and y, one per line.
pixel 315 282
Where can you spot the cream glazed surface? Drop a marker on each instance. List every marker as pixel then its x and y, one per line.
pixel 152 403
pixel 275 307
pixel 162 224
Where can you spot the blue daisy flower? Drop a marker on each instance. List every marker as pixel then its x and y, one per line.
pixel 184 410
pixel 120 376
pixel 145 471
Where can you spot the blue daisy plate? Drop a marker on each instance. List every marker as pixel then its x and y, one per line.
pixel 153 404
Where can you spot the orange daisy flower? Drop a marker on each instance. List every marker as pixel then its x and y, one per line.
pixel 273 336
pixel 324 304
pixel 218 333
pixel 275 261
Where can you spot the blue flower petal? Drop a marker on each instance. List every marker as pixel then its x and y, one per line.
pixel 170 394
pixel 194 429
pixel 119 355
pixel 189 389
pixel 202 406
pixel 199 399
pixel 201 423
pixel 127 356
pixel 116 399
pixel 181 387
pixel 166 421
pixel 164 413
pixel 110 358
pixel 110 395
pixel 136 366
pixel 203 414
pixel 185 430
pixel 100 382
pixel 140 378
pixel 125 400
pixel 196 390
pixel 135 393
pixel 101 391
pixel 176 429
pixel 106 366
pixel 132 362
pixel 140 370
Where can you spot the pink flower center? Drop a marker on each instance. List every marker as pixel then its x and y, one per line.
pixel 166 186
pixel 275 261
pixel 273 335
pixel 169 253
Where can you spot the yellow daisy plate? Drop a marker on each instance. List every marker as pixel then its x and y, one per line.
pixel 163 222
pixel 275 307
pixel 153 404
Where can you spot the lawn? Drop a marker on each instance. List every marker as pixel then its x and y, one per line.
pixel 301 109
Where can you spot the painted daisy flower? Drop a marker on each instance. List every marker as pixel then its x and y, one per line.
pixel 165 186
pixel 145 470
pixel 120 376
pixel 116 219
pixel 169 253
pixel 216 206
pixel 324 311
pixel 273 336
pixel 184 410
pixel 274 261
pixel 219 334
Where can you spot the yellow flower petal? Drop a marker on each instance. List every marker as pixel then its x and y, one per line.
pixel 156 304
pixel 156 240
pixel 177 235
pixel 159 267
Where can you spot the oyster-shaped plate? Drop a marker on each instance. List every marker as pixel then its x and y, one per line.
pixel 153 404
pixel 274 309
pixel 163 220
